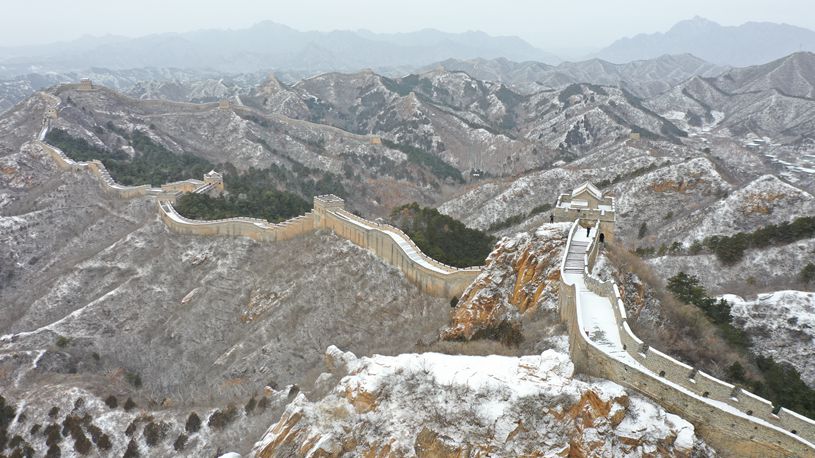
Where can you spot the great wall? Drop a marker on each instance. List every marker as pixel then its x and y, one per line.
pixel 601 343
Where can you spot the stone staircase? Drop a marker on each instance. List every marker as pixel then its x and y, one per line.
pixel 574 258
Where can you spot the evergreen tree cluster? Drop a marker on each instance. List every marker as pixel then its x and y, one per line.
pixel 518 219
pixel 782 383
pixel 730 249
pixel 152 164
pixel 442 237
pixel 418 156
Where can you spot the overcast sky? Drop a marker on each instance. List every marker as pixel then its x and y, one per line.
pixel 549 24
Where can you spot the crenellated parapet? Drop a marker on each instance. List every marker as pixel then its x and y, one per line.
pixel 736 422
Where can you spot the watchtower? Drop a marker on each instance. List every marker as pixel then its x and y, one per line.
pixel 215 179
pixel 588 204
pixel 324 204
pixel 85 84
pixel 224 104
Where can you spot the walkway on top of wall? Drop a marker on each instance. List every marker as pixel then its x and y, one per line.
pixel 598 322
pixel 597 314
pixel 406 246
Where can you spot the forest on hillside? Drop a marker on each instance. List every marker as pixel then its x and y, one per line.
pixel 442 237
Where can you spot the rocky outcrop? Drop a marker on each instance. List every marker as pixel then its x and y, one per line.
pixel 522 275
pixel 438 405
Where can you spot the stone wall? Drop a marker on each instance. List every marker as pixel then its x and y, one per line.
pixel 734 421
pixel 393 246
pixel 387 242
pixel 97 169
pixel 256 229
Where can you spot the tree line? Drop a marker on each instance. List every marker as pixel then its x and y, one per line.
pixel 781 382
pixel 441 237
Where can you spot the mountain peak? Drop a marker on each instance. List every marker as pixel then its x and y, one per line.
pixel 738 46
pixel 695 24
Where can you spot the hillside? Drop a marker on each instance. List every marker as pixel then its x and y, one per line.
pixel 645 78
pixel 393 404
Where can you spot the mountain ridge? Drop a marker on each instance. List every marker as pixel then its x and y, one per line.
pixel 748 44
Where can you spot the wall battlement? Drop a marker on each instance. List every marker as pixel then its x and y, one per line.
pixel 387 242
pixel 734 421
pixel 394 247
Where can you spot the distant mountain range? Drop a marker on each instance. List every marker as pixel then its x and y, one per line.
pixel 267 45
pixel 644 77
pixel 751 43
pixel 271 46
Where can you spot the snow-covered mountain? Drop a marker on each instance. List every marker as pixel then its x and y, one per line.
pixel 439 405
pixel 643 77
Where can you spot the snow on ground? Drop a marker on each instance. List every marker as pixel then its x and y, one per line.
pixel 782 325
pixel 508 406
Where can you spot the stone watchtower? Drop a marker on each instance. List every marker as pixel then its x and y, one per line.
pixel 588 204
pixel 323 204
pixel 215 179
pixel 224 104
pixel 85 84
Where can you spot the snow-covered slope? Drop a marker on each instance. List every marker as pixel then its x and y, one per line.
pixel 450 406
pixel 781 325
pixel 767 200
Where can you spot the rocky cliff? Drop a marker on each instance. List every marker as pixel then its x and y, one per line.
pixel 521 277
pixel 434 405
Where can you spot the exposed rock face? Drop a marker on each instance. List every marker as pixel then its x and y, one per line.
pixel 522 274
pixel 470 406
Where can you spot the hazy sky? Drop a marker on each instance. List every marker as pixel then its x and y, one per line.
pixel 549 24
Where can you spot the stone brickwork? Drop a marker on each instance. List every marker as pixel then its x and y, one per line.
pixel 589 205
pixel 736 422
pixel 256 229
pixel 394 247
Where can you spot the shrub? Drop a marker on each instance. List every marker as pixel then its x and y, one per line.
pixel 132 450
pixel 134 378
pixel 53 412
pixel 454 302
pixel 111 401
pixel 179 443
pixel 15 441
pixel 220 418
pixel 53 451
pixel 193 423
pixel 736 372
pixel 52 435
pixel 808 273
pixel 643 230
pixel 250 406
pixel 104 442
pixel 154 433
pixel 129 404
pixel 263 403
pixel 95 432
pixel 81 444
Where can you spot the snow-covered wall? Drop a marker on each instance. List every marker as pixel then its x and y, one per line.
pixel 732 420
